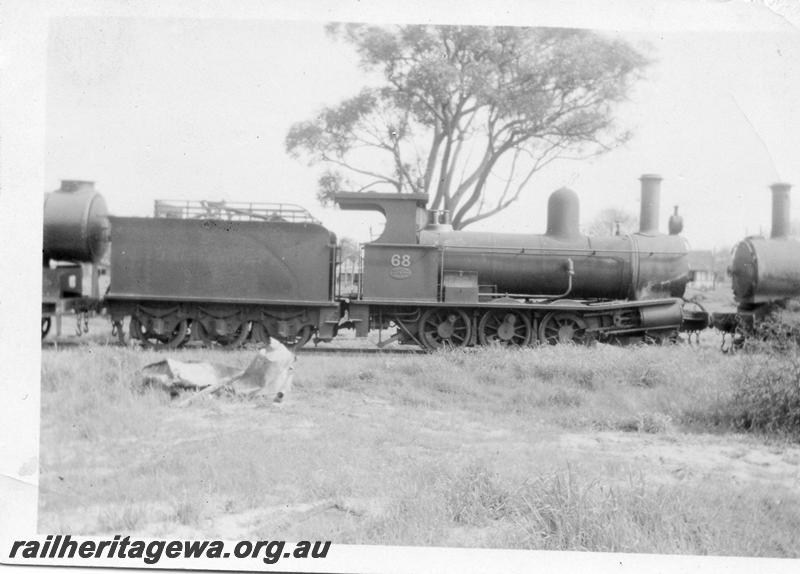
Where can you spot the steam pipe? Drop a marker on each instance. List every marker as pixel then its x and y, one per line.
pixel 570 275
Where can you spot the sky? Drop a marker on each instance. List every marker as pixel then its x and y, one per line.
pixel 177 108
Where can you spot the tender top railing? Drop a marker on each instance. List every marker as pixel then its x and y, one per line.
pixel 232 211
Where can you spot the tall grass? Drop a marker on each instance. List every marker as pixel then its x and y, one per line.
pixel 572 508
pixel 766 394
pixel 454 448
pixel 647 388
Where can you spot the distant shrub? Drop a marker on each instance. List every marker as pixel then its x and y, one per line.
pixel 777 332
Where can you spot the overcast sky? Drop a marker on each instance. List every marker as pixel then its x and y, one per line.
pixel 199 109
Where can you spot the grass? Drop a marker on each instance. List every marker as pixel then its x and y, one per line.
pixel 453 449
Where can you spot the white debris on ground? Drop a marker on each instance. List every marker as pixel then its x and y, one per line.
pixel 269 374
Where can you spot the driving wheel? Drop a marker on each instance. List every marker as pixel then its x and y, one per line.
pixel 445 327
pixel 504 327
pixel 561 327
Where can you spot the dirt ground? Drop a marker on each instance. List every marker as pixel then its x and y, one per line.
pixel 401 433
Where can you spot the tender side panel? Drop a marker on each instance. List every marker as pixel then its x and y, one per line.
pixel 175 259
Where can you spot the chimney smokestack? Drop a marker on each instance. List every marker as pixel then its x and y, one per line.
pixel 651 199
pixel 780 210
pixel 73 185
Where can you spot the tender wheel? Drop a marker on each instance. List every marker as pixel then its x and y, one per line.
pixel 302 337
pixel 445 328
pixel 504 326
pixel 46 322
pixel 561 327
pixel 173 340
pixel 231 340
pixel 236 338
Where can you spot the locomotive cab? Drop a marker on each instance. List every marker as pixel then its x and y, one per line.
pixel 396 266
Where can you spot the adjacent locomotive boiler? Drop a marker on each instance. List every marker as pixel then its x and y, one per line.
pixel 445 287
pixel 75 239
pixel 767 270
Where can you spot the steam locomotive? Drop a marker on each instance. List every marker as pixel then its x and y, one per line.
pixel 765 272
pixel 228 273
pixel 76 235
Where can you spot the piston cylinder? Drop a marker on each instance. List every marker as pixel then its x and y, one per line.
pixel 662 316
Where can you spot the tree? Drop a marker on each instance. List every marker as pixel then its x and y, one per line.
pixel 611 220
pixel 468 114
pixel 349 248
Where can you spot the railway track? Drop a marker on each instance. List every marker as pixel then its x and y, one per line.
pixel 72 343
pixel 360 351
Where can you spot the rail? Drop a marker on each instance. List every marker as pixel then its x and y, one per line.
pixel 231 211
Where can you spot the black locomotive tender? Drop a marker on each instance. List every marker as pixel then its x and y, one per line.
pixel 227 273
